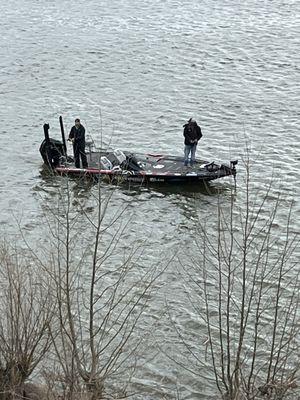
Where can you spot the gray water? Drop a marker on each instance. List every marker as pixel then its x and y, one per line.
pixel 134 72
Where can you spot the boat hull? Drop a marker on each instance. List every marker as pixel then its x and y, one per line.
pixel 124 166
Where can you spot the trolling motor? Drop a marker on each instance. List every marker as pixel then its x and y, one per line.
pixel 54 152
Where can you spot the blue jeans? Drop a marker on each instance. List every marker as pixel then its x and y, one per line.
pixel 189 148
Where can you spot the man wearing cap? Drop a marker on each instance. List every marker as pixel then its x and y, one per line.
pixel 77 136
pixel 192 134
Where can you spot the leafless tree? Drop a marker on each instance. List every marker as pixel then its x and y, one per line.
pixel 102 290
pixel 26 309
pixel 243 281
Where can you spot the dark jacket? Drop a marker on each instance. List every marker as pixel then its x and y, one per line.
pixel 192 133
pixel 77 134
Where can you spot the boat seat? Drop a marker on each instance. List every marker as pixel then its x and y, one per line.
pixel 117 157
pixel 113 159
pixel 105 163
pixel 120 155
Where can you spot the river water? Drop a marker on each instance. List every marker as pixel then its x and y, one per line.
pixel 134 72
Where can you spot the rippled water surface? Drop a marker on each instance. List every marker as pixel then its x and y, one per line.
pixel 134 72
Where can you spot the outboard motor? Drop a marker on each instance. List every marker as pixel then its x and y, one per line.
pixel 51 150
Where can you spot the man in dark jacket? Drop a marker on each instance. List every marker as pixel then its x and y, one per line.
pixel 77 136
pixel 192 134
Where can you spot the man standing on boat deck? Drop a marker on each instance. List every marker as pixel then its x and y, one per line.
pixel 77 136
pixel 192 134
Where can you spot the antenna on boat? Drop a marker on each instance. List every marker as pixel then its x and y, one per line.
pixel 62 129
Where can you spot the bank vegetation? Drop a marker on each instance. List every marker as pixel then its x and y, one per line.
pixel 70 311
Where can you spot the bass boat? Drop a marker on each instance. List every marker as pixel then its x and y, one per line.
pixel 121 165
